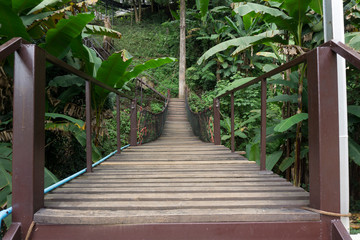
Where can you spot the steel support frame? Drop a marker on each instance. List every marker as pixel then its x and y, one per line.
pixel 216 107
pixel 118 124
pixel 88 127
pixel 263 126
pixel 29 135
pixel 182 231
pixel 324 161
pixel 133 123
pixel 232 123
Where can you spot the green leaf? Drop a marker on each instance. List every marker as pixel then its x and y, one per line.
pixel 240 134
pixel 241 44
pixel 354 110
pixel 316 5
pixel 111 72
pixel 286 163
pixel 58 39
pixel 253 152
pixel 232 25
pixel 153 63
pixel 354 151
pixel 47 3
pixel 20 5
pixel 297 9
pixel 355 42
pixel 272 159
pixel 269 15
pixel 285 83
pixel 202 5
pixel 67 81
pixel 87 55
pixel 102 31
pixel 291 121
pixel 5 178
pixel 49 178
pixel 77 122
pixel 284 98
pixel 29 19
pixel 11 25
pixel 235 84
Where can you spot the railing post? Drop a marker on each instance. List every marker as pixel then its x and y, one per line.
pixel 324 163
pixel 29 135
pixel 217 137
pixel 133 123
pixel 118 137
pixel 88 127
pixel 263 126
pixel 232 123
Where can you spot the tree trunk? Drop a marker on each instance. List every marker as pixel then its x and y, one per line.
pixel 139 13
pixel 135 12
pixel 182 61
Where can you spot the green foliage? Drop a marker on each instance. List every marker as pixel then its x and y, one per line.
pixel 11 25
pixel 272 159
pixel 291 121
pixel 58 40
pixel 241 43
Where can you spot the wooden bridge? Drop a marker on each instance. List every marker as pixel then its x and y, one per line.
pixel 176 187
pixel 176 179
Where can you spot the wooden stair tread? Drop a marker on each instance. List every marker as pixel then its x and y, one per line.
pixel 176 179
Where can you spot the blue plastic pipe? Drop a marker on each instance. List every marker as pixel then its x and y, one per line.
pixel 6 212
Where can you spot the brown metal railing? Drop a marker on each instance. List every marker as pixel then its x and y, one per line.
pixel 28 126
pixel 323 121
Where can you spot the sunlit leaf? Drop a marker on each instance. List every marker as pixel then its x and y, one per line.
pixel 272 159
pixel 291 121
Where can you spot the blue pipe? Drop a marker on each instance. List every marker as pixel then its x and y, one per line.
pixel 6 212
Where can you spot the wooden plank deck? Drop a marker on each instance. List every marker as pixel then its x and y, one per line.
pixel 176 179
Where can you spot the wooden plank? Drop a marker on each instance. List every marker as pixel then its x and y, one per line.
pixel 169 162
pixel 253 185
pixel 157 205
pixel 55 216
pixel 204 196
pixel 120 188
pixel 176 180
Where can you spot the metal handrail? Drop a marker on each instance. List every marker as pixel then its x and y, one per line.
pixel 29 83
pixel 323 121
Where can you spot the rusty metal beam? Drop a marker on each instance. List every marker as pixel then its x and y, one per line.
pixel 14 232
pixel 182 231
pixel 271 73
pixel 232 123
pixel 323 134
pixel 346 52
pixel 118 125
pixel 263 126
pixel 133 123
pixel 83 75
pixel 10 47
pixel 88 127
pixel 150 87
pixel 216 106
pixel 29 134
pixel 339 232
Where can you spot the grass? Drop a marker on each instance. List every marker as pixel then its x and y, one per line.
pixel 145 41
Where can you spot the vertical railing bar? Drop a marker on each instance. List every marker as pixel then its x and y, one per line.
pixel 263 126
pixel 29 134
pixel 133 123
pixel 216 106
pixel 232 123
pixel 88 126
pixel 141 94
pixel 118 124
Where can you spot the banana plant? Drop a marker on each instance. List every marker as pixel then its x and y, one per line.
pixel 5 178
